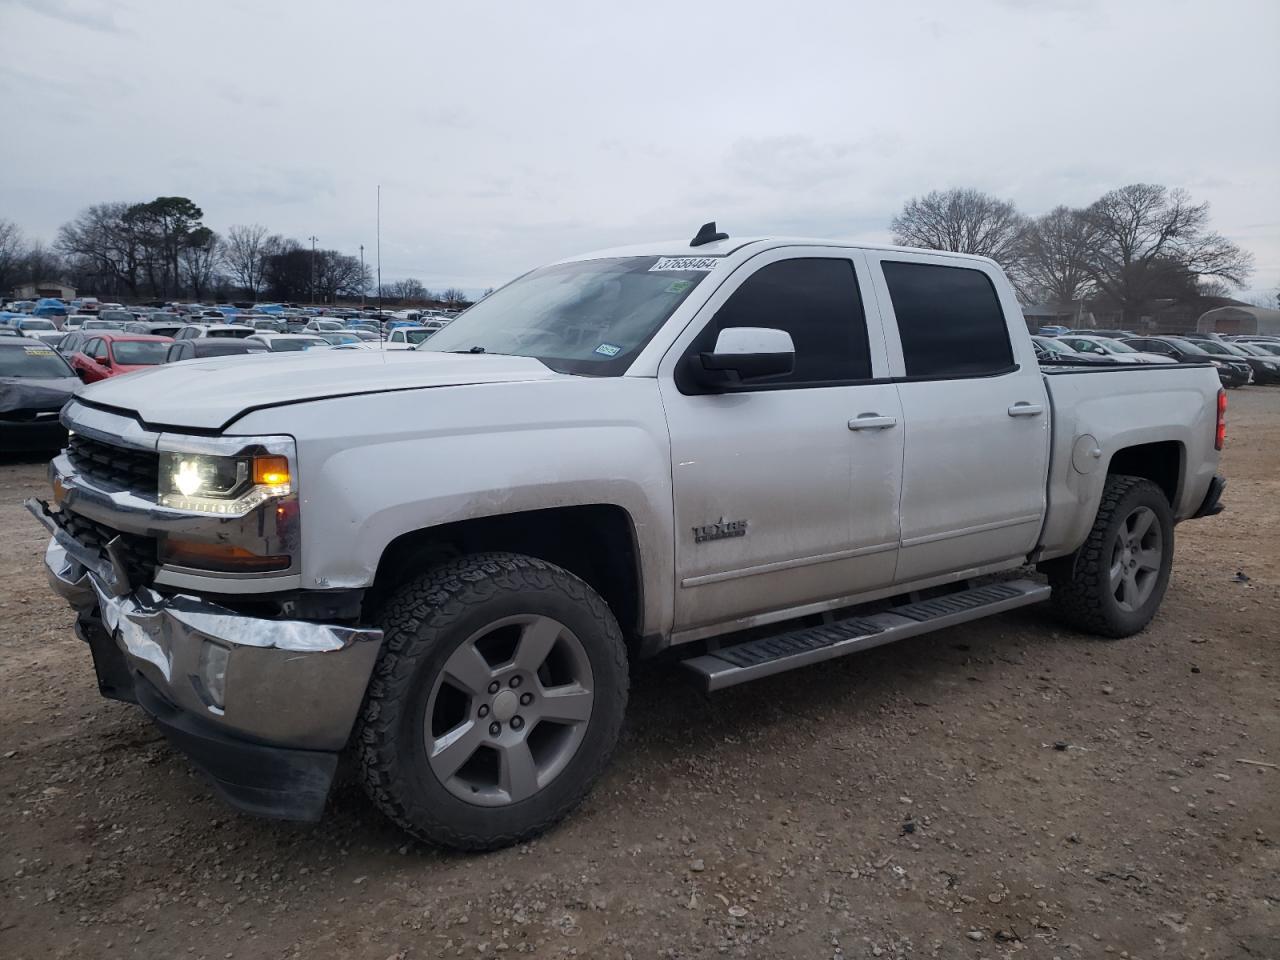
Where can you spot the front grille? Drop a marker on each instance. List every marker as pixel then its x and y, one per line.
pixel 124 467
pixel 138 552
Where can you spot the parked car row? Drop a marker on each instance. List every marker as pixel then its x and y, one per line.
pixel 1238 360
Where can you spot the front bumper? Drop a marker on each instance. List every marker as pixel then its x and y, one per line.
pixel 291 694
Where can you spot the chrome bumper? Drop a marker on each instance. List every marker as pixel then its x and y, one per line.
pixel 289 683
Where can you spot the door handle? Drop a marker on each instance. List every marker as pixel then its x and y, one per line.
pixel 872 421
pixel 1024 409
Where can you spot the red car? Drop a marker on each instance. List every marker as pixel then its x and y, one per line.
pixel 106 353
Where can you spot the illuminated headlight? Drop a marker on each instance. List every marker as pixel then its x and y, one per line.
pixel 229 485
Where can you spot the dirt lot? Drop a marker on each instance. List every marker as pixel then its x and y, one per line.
pixel 1004 789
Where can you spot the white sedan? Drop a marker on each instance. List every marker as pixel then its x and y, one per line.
pixel 1112 349
pixel 288 342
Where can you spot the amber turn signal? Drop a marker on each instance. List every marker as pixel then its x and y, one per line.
pixel 220 557
pixel 271 471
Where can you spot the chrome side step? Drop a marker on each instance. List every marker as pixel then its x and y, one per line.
pixel 730 666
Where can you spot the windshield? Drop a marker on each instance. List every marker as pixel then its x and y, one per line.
pixel 36 361
pixel 1187 347
pixel 1053 346
pixel 1212 346
pixel 283 346
pixel 589 316
pixel 139 351
pixel 1115 346
pixel 38 325
pixel 418 336
pixel 229 332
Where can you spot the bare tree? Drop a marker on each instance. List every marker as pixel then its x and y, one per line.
pixel 199 261
pixel 1054 261
pixel 245 252
pixel 1148 241
pixel 409 289
pixel 963 221
pixel 12 247
pixel 104 248
pixel 454 297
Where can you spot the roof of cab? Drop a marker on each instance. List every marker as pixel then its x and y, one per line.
pixel 732 245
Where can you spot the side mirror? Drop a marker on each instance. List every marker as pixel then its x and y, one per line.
pixel 746 355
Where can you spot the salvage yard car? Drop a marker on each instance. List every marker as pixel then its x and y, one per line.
pixel 758 453
pixel 109 354
pixel 34 384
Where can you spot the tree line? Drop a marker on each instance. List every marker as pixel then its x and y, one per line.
pixel 162 250
pixel 1131 248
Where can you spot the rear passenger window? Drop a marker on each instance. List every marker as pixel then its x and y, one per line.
pixel 816 300
pixel 949 320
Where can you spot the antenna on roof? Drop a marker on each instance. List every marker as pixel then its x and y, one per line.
pixel 707 234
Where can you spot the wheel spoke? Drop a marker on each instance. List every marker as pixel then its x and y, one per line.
pixel 1142 522
pixel 536 641
pixel 468 669
pixel 1130 596
pixel 568 704
pixel 451 751
pixel 1149 560
pixel 1117 574
pixel 518 775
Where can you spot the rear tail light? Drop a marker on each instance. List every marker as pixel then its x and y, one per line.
pixel 1220 432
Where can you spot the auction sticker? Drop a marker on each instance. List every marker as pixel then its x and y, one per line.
pixel 608 349
pixel 685 263
pixel 38 351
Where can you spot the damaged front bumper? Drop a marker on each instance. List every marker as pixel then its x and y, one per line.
pixel 262 706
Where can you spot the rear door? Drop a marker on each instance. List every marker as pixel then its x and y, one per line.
pixel 976 411
pixel 779 500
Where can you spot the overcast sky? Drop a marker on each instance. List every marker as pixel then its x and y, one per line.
pixel 507 134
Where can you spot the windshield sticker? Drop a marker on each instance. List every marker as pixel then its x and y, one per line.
pixel 608 350
pixel 37 351
pixel 685 263
pixel 679 286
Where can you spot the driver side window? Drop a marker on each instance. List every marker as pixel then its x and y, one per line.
pixel 814 299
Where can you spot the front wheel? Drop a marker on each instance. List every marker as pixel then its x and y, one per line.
pixel 496 701
pixel 1113 585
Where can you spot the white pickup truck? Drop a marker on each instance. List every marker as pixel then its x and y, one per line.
pixel 763 452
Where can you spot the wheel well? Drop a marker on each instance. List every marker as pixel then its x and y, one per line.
pixel 1161 463
pixel 596 542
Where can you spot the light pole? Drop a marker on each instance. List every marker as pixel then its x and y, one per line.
pixel 363 283
pixel 313 238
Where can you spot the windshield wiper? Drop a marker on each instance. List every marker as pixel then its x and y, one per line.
pixel 469 350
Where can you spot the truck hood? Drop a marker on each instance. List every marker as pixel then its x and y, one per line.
pixel 210 394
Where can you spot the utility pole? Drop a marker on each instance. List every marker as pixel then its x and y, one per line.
pixel 313 238
pixel 364 285
pixel 380 253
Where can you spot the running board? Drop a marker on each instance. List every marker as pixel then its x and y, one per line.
pixel 730 666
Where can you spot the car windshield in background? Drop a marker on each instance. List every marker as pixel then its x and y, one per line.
pixel 34 362
pixel 1187 347
pixel 128 352
pixel 38 325
pixel 589 316
pixel 1115 346
pixel 284 346
pixel 116 316
pixel 418 336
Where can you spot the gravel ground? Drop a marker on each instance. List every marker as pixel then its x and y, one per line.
pixel 1009 788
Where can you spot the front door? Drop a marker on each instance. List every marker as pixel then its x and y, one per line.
pixel 779 500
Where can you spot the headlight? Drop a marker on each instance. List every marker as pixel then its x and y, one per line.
pixel 229 485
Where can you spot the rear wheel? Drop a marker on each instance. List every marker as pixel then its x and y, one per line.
pixel 1113 585
pixel 496 701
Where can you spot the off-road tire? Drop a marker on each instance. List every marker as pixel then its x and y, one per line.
pixel 1081 594
pixel 427 618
